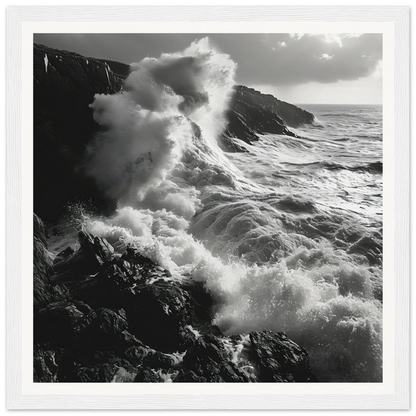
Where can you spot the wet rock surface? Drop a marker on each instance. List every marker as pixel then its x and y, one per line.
pixel 252 113
pixel 115 318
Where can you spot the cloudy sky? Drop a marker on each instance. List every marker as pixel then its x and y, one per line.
pixel 299 68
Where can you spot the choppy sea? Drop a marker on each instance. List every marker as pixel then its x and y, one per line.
pixel 287 236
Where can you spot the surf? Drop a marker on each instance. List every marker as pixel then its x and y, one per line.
pixel 273 255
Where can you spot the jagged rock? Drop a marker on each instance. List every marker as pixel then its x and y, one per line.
pixel 210 360
pixel 137 353
pixel 59 323
pixel 189 377
pixel 104 286
pixel 103 330
pixel 159 360
pixel 63 255
pixel 201 301
pixel 105 372
pixel 94 366
pixel 39 230
pixel 266 357
pixel 43 290
pixel 108 331
pixel 156 312
pixel 133 256
pixel 112 285
pixel 145 326
pixel 147 375
pixel 93 254
pixel 45 369
pixel 278 358
pixel 252 113
pixel 95 248
pixel 112 282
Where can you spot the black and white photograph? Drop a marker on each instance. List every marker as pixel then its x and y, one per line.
pixel 208 207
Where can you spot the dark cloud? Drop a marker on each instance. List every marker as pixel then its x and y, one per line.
pixel 277 59
pixel 294 59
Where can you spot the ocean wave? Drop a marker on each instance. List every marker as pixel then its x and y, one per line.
pixel 272 255
pixel 372 167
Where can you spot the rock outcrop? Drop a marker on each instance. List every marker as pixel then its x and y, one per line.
pixel 104 317
pixel 44 292
pixel 64 86
pixel 252 113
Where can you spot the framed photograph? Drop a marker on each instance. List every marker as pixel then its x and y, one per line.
pixel 210 202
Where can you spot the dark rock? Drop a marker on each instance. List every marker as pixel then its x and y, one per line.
pixel 156 312
pixel 137 353
pixel 96 290
pixel 252 113
pixel 104 332
pixel 44 292
pixel 63 255
pixel 107 331
pixel 64 87
pixel 159 360
pixel 111 286
pixel 95 248
pixel 112 282
pixel 209 360
pixel 121 274
pixel 147 375
pixel 45 368
pixel 94 366
pixel 279 359
pixel 201 301
pixel 145 326
pixel 104 372
pixel 99 373
pixel 94 253
pixel 39 230
pixel 133 256
pixel 59 323
pixel 189 377
pixel 85 290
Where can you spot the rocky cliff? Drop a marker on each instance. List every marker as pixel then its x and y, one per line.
pixel 252 113
pixel 104 317
pixel 64 87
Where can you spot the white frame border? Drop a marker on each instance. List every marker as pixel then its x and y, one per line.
pixel 22 21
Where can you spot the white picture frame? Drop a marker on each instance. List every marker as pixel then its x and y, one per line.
pixel 391 394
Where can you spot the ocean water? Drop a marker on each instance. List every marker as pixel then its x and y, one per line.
pixel 287 236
